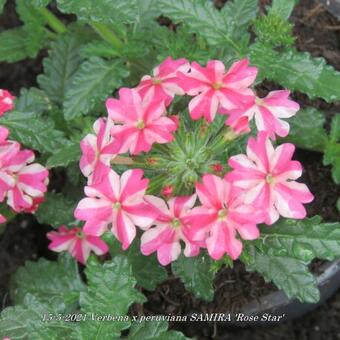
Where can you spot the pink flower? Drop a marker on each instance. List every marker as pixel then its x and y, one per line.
pixel 169 230
pixel 267 112
pixel 213 88
pixel 2 219
pixel 267 176
pixel 167 190
pixel 143 122
pixel 117 201
pixel 221 216
pixel 28 181
pixel 6 102
pixel 97 151
pixel 76 242
pixel 163 85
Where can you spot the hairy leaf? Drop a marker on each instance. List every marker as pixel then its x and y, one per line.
pixel 287 273
pixel 307 131
pixel 93 82
pixel 33 131
pixel 56 210
pixel 298 72
pixel 57 283
pixel 60 66
pixel 64 156
pixel 196 274
pixel 110 292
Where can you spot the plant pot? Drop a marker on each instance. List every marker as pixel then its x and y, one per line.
pixel 278 304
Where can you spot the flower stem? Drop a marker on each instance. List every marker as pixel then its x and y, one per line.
pixel 52 20
pixel 122 160
pixel 106 34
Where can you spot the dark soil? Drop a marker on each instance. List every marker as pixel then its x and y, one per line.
pixel 24 239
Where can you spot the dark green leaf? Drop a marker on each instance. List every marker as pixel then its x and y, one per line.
pixel 33 131
pixel 60 66
pixel 56 210
pixel 196 274
pixel 241 12
pixel 283 8
pixel 289 274
pixel 2 4
pixel 64 156
pixel 298 72
pixel 332 157
pixel 32 100
pixel 335 129
pixel 307 131
pixel 57 283
pixel 93 82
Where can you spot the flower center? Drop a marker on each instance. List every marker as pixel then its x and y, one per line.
pixel 140 124
pixel 217 85
pixel 116 205
pixel 270 179
pixel 156 81
pixel 259 101
pixel 176 223
pixel 80 234
pixel 222 213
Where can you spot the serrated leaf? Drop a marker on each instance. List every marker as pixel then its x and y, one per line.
pixel 202 18
pixel 196 274
pixel 335 129
pixel 146 269
pixel 33 131
pixel 297 71
pixel 147 11
pixel 93 82
pixel 25 321
pixel 58 283
pixel 302 239
pixel 64 156
pixel 56 210
pixel 110 292
pixel 60 66
pixel 104 11
pixel 287 273
pixel 332 157
pixel 307 130
pixel 241 12
pixel 32 100
pixel 99 49
pixel 283 8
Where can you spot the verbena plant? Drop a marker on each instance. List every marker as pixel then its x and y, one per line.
pixel 188 155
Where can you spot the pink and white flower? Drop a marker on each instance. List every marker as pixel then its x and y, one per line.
pixel 77 243
pixel 163 84
pixel 214 88
pixel 117 201
pixel 143 122
pixel 6 101
pixel 28 181
pixel 97 151
pixel 170 229
pixel 267 176
pixel 268 112
pixel 222 215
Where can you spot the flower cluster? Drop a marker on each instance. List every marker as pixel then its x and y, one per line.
pixel 221 210
pixel 22 182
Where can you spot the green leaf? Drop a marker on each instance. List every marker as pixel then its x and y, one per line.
pixel 146 269
pixel 104 11
pixel 32 100
pixel 14 45
pixel 110 292
pixel 202 18
pixel 64 156
pixel 93 82
pixel 33 131
pixel 25 321
pixel 289 274
pixel 338 204
pixel 57 283
pixel 40 3
pixel 302 239
pixel 307 130
pixel 282 8
pixel 147 12
pixel 332 157
pixel 335 129
pixel 2 4
pixel 241 11
pixel 60 66
pixel 196 274
pixel 99 48
pixel 298 72
pixel 56 210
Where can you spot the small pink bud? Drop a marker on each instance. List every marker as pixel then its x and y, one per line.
pixel 217 167
pixel 168 190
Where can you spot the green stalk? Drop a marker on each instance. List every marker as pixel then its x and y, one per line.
pixel 52 20
pixel 106 34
